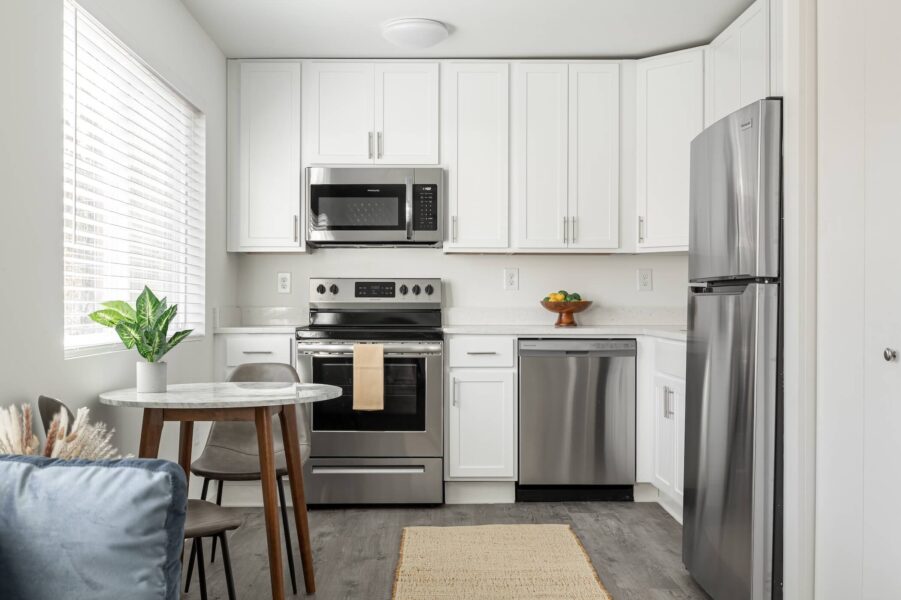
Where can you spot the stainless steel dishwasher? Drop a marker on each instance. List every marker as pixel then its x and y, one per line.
pixel 576 419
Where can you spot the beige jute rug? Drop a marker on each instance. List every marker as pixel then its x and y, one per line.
pixel 496 562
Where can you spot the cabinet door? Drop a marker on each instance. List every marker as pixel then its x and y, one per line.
pixel 594 156
pixel 541 137
pixel 406 113
pixel 477 154
pixel 265 207
pixel 738 63
pixel 341 117
pixel 664 434
pixel 677 404
pixel 670 114
pixel 481 437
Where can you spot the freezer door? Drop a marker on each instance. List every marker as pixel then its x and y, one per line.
pixel 736 194
pixel 730 451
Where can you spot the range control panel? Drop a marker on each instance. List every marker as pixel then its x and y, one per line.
pixel 371 290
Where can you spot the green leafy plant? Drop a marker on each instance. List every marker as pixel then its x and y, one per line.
pixel 145 326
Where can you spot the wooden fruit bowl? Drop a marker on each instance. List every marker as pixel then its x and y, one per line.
pixel 566 310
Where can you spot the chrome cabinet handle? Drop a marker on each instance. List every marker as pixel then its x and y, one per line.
pixel 573 221
pixel 668 411
pixel 380 145
pixel 454 396
pixel 370 145
pixel 565 232
pixel 481 353
pixel 454 228
pixel 296 228
pixel 889 354
pixel 257 351
pixel 641 229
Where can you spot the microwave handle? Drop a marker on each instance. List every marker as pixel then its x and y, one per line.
pixel 408 182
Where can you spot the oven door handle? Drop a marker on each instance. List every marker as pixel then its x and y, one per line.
pixel 408 183
pixel 326 348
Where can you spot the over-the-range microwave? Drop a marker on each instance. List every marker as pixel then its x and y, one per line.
pixel 359 206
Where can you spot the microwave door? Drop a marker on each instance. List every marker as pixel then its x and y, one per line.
pixel 358 213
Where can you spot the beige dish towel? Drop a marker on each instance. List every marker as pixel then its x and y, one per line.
pixel 369 377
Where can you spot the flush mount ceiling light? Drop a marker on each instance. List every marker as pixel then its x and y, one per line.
pixel 414 33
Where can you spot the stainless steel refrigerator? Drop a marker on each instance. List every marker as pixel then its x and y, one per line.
pixel 732 506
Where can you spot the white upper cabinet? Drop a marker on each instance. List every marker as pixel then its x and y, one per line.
pixel 360 113
pixel 406 113
pixel 476 138
pixel 566 155
pixel 593 156
pixel 264 156
pixel 541 137
pixel 670 92
pixel 738 62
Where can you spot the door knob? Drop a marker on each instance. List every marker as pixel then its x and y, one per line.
pixel 889 354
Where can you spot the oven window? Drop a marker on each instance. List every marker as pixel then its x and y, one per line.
pixel 355 207
pixel 404 397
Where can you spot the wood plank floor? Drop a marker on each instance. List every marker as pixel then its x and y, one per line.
pixel 635 548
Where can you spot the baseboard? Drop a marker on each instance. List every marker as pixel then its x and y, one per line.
pixel 645 492
pixel 479 492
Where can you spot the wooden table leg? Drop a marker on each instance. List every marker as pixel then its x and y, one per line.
pixel 185 445
pixel 263 420
pixel 288 420
pixel 151 431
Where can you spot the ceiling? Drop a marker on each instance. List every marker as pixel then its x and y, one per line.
pixel 479 28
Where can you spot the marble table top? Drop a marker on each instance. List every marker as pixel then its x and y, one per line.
pixel 223 395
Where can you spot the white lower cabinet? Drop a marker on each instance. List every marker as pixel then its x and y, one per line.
pixel 668 385
pixel 482 424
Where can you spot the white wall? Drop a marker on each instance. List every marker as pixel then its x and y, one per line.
pixel 476 281
pixel 166 36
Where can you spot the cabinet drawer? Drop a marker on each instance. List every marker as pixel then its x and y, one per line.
pixel 669 358
pixel 482 351
pixel 258 348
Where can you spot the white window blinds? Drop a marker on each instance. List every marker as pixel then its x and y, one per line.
pixel 134 161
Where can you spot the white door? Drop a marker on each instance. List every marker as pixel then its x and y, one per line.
pixel 593 156
pixel 482 420
pixel 267 152
pixel 670 90
pixel 341 123
pixel 477 151
pixel 677 404
pixel 406 113
pixel 540 140
pixel 664 433
pixel 737 68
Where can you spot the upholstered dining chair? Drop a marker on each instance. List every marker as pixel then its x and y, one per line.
pixel 231 452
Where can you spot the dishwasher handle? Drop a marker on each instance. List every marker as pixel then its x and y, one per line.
pixel 577 353
pixel 592 348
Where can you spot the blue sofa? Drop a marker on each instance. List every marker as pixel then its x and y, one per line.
pixel 90 529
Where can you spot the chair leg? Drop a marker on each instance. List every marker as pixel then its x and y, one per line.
pixel 281 499
pixel 201 570
pixel 218 503
pixel 205 489
pixel 191 565
pixel 227 563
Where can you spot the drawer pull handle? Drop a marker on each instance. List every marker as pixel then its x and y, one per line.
pixel 481 353
pixel 257 351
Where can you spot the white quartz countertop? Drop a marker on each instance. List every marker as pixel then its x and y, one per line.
pixel 673 332
pixel 257 329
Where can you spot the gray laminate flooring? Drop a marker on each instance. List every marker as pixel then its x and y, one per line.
pixel 635 548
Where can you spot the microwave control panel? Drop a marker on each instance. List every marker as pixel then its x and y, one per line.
pixel 425 207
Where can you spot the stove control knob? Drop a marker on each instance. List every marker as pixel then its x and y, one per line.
pixel 320 288
pixel 416 290
pixel 403 290
pixel 333 289
pixel 429 290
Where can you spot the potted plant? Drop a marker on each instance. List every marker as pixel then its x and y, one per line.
pixel 144 327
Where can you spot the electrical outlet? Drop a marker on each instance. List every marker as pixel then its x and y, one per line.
pixel 511 279
pixel 645 280
pixel 284 283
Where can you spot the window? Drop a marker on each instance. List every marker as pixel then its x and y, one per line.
pixel 134 163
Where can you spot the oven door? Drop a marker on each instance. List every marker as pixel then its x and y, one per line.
pixel 359 213
pixel 411 423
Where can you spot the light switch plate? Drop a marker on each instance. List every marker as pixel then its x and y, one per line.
pixel 284 283
pixel 511 279
pixel 645 280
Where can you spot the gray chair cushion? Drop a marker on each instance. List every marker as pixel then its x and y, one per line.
pixel 206 519
pixel 90 529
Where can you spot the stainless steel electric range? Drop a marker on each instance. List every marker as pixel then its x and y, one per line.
pixel 391 456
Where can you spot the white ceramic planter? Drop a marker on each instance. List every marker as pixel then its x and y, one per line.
pixel 151 377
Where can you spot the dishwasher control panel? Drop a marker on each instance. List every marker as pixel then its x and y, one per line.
pixel 578 345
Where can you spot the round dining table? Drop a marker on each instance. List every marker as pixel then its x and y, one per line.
pixel 255 402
